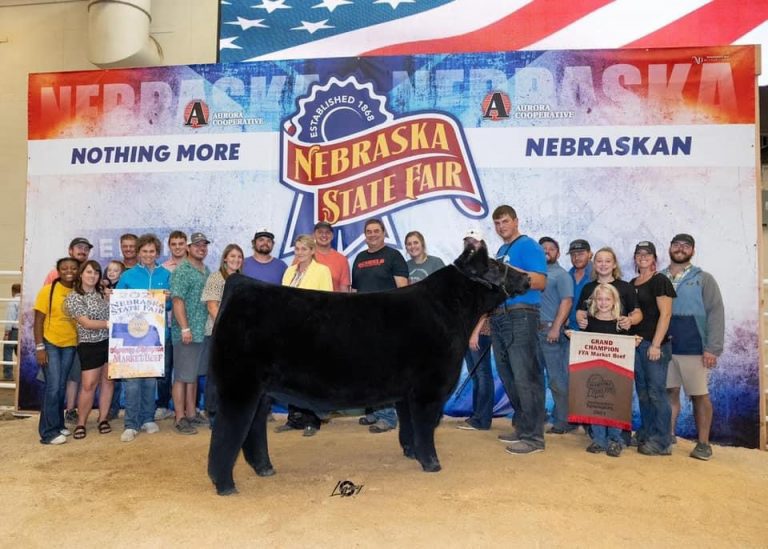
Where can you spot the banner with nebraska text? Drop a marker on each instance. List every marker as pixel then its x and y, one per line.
pixel 136 333
pixel 601 379
pixel 611 146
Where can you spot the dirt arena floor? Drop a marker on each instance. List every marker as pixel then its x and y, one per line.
pixel 154 492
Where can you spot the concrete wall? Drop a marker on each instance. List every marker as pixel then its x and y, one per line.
pixel 52 36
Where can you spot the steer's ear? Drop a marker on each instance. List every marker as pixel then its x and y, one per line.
pixel 472 261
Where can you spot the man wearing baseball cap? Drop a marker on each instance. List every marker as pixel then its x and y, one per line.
pixel 79 249
pixel 261 265
pixel 697 329
pixel 581 274
pixel 187 332
pixel 326 255
pixel 556 301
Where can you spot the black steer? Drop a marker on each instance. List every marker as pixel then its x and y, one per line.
pixel 335 351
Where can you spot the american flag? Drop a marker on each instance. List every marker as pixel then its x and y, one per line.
pixel 254 30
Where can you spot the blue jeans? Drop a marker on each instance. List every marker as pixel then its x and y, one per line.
pixel 114 406
pixel 165 383
pixel 554 357
pixel 602 435
pixel 8 350
pixel 139 401
pixel 482 384
pixel 54 393
pixel 515 343
pixel 651 386
pixel 389 415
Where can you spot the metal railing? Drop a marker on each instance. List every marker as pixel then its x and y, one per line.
pixel 7 325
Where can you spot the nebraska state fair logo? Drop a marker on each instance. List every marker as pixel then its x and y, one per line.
pixel 349 159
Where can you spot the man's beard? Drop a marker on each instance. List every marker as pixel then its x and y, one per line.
pixel 685 259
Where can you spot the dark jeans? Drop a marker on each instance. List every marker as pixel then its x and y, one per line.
pixel 55 374
pixel 514 335
pixel 114 407
pixel 554 357
pixel 651 386
pixel 482 384
pixel 8 351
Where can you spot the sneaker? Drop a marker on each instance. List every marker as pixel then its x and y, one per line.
pixel 197 420
pixel 284 427
pixel 61 439
pixel 70 416
pixel 380 426
pixel 614 449
pixel 163 413
pixel 703 451
pixel 648 449
pixel 128 435
pixel 509 437
pixel 558 430
pixel 595 448
pixel 468 425
pixel 365 420
pixel 521 448
pixel 310 431
pixel 184 427
pixel 150 428
pixel 66 432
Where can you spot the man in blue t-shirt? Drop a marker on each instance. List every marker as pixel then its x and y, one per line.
pixel 514 333
pixel 262 266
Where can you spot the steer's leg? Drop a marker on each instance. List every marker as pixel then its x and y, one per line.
pixel 255 446
pixel 233 422
pixel 425 416
pixel 406 428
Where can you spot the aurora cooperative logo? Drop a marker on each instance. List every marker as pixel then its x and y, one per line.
pixel 349 159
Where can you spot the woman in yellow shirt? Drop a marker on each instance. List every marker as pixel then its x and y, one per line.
pixel 55 344
pixel 308 274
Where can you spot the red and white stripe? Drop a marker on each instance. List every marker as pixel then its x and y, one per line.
pixel 504 25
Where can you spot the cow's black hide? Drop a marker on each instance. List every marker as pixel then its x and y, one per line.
pixel 335 351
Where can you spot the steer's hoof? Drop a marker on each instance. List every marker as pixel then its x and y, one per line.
pixel 227 491
pixel 432 467
pixel 265 471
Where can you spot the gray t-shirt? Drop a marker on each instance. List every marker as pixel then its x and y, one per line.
pixel 420 271
pixel 559 287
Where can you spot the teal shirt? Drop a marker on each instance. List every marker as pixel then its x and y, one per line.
pixel 187 283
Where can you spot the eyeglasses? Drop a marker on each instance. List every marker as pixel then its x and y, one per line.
pixel 684 245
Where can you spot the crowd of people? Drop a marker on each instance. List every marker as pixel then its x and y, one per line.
pixel 675 314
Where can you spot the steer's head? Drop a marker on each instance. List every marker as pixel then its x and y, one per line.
pixel 476 265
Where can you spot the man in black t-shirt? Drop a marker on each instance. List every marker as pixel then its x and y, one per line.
pixel 377 269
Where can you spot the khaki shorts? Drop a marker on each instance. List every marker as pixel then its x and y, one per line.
pixel 689 372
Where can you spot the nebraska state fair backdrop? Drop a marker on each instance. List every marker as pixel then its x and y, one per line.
pixel 613 146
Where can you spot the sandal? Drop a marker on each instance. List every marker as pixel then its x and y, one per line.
pixel 79 432
pixel 104 427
